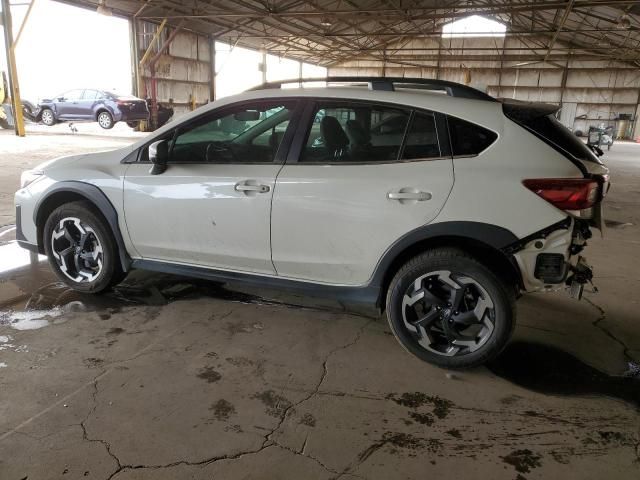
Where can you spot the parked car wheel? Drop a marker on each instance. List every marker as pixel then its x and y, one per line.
pixel 448 309
pixel 47 117
pixel 105 120
pixel 81 248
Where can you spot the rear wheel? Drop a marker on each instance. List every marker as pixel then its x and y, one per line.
pixel 450 310
pixel 47 117
pixel 105 120
pixel 81 248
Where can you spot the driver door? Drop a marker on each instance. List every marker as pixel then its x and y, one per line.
pixel 212 206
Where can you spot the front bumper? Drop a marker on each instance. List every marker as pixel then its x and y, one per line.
pixel 20 238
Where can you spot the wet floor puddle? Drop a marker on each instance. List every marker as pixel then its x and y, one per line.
pixel 49 303
pixel 31 298
pixel 549 370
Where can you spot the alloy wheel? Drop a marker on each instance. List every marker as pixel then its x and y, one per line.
pixel 77 250
pixel 104 120
pixel 448 314
pixel 47 117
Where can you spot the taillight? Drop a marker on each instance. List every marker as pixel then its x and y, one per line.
pixel 566 193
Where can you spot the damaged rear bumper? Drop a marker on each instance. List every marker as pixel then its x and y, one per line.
pixel 550 257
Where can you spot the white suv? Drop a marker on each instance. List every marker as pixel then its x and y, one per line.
pixel 441 208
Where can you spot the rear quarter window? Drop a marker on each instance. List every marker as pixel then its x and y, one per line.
pixel 468 139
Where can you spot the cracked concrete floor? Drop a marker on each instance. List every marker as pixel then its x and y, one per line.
pixel 167 378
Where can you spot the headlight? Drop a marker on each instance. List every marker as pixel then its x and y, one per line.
pixel 30 176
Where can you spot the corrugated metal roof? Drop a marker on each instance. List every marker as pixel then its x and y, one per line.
pixel 327 32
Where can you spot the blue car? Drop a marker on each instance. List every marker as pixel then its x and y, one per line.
pixel 106 108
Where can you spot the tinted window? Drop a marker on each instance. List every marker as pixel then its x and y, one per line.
pixel 347 132
pixel 552 130
pixel 422 138
pixel 244 134
pixel 468 138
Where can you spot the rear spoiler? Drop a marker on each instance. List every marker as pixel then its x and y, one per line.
pixel 524 112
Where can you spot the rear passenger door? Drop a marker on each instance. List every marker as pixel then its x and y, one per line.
pixel 358 177
pixel 89 98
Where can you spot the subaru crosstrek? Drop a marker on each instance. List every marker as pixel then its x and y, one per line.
pixel 426 198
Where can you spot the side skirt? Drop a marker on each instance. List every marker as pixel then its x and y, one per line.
pixel 368 295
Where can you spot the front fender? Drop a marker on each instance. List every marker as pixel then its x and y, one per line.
pixel 97 198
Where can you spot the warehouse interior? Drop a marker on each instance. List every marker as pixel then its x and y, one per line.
pixel 168 377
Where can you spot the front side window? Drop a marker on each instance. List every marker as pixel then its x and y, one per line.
pixel 241 134
pixel 360 133
pixel 468 139
pixel 72 95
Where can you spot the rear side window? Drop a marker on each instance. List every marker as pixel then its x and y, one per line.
pixel 90 95
pixel 467 138
pixel 422 138
pixel 346 132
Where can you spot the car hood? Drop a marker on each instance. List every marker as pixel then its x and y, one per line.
pixel 99 161
pixel 59 162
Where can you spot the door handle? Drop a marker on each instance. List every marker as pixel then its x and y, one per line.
pixel 245 187
pixel 418 196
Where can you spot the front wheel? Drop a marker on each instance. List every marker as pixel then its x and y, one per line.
pixel 105 120
pixel 448 309
pixel 47 117
pixel 81 248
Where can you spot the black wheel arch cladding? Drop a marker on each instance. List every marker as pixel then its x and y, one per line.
pixel 490 236
pixel 99 200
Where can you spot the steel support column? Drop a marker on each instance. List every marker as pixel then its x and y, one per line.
pixel 135 62
pixel 212 69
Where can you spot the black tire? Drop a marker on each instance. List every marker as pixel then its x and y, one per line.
pixel 498 321
pixel 105 120
pixel 4 124
pixel 47 117
pixel 98 234
pixel 133 125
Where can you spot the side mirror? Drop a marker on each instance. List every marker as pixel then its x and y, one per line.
pixel 158 156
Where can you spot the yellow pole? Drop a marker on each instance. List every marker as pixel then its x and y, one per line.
pixel 13 71
pixel 147 54
pixel 24 22
pixel 143 60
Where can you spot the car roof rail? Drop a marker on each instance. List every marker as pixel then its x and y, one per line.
pixel 389 84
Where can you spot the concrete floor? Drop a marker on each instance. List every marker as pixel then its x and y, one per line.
pixel 168 378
